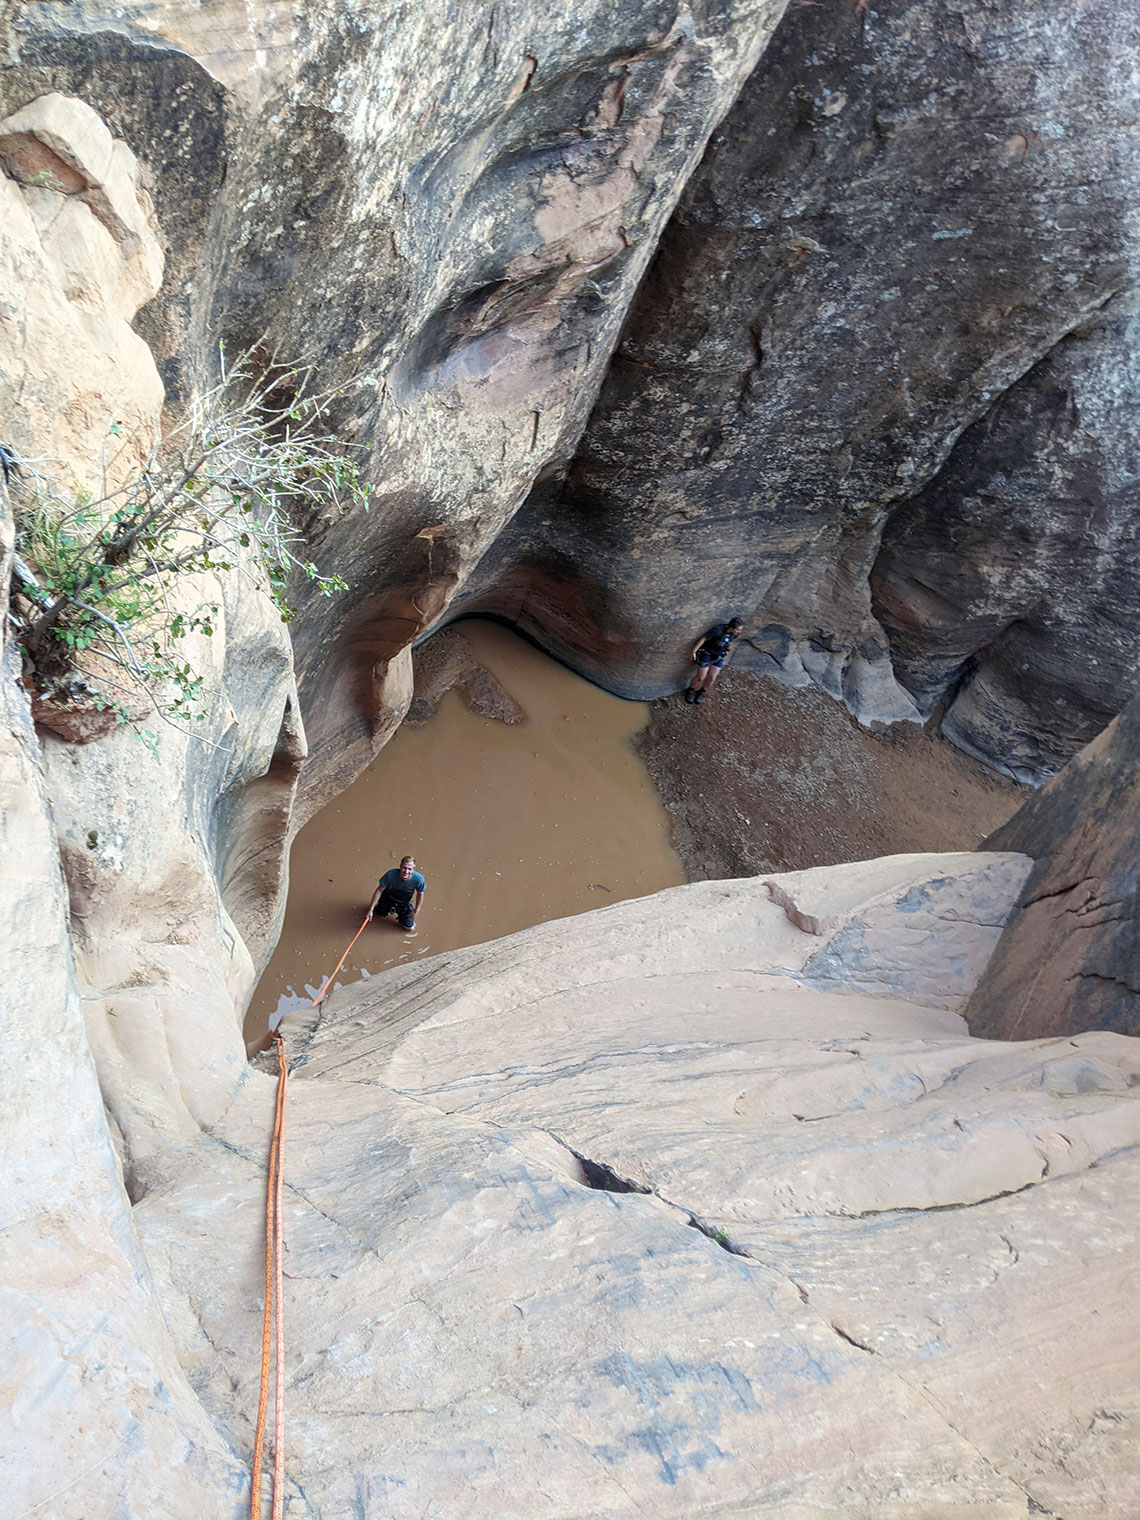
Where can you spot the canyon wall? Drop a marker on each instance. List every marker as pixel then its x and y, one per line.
pixel 1069 958
pixel 141 880
pixel 99 1414
pixel 877 393
pixel 451 213
pixel 873 388
pixel 466 240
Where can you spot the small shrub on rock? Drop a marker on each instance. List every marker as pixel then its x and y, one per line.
pixel 104 580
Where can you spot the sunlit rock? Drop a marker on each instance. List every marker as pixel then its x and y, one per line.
pixel 629 1191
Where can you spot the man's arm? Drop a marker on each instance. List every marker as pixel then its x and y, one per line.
pixel 375 900
pixel 696 647
pixel 418 902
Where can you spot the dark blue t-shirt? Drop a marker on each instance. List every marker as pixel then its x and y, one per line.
pixel 718 641
pixel 403 891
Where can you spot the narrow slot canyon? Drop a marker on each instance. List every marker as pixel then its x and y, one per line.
pixel 749 1124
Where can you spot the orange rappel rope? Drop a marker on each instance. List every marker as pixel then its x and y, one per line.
pixel 272 1324
pixel 340 963
pixel 272 1321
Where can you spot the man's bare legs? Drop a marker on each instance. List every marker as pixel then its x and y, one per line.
pixel 703 680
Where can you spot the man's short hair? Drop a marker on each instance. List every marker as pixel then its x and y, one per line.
pixel 736 622
pixel 408 860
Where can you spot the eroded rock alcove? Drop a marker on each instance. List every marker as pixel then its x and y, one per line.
pixel 644 314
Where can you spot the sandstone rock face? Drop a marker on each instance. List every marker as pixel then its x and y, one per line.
pixel 170 113
pixel 915 220
pixel 79 254
pixel 80 394
pixel 99 1416
pixel 644 1209
pixel 1069 959
pixel 476 251
pixel 1010 581
pixel 626 1213
pixel 123 971
pixel 914 228
pixel 467 238
pixel 175 870
pixel 175 863
pixel 603 1218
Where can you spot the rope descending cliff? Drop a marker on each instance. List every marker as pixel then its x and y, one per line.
pixel 272 1323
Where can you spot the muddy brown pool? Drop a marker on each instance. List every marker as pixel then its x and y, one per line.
pixel 510 824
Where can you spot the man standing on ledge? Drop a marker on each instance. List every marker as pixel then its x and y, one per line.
pixel 400 892
pixel 710 653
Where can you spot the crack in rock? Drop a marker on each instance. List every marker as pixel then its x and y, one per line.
pixel 1072 886
pixel 603 1178
pixel 928 1398
pixel 1100 976
pixel 717 1236
pixel 851 1340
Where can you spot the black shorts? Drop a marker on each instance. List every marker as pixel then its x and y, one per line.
pixel 401 907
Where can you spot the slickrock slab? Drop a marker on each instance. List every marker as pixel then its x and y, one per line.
pixel 619 1214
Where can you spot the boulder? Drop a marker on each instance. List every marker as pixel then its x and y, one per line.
pixel 448 663
pixel 1069 958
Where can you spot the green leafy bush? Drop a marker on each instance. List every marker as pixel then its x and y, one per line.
pixel 99 608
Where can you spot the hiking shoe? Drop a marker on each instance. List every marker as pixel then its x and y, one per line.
pixel 690 694
pixel 699 697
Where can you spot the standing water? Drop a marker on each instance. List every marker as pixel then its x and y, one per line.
pixel 510 825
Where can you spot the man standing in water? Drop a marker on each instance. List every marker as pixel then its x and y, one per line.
pixel 710 653
pixel 401 892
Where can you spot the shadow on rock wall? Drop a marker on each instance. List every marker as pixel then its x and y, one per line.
pixel 1069 957
pixel 908 211
pixel 915 219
